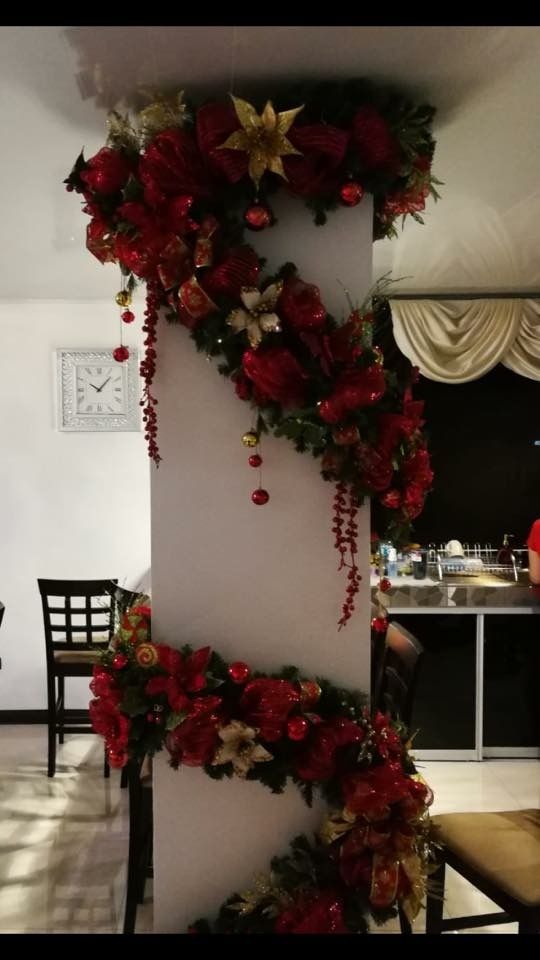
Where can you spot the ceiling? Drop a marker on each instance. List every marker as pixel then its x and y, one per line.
pixel 57 83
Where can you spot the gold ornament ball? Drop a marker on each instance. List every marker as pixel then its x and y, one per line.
pixel 123 298
pixel 250 439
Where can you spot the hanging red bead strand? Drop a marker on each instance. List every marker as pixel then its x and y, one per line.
pixel 345 528
pixel 148 369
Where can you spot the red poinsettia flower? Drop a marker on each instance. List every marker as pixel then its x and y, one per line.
pixel 193 743
pixel 184 675
pixel 107 171
pixel 319 758
pixel 266 704
pixel 318 913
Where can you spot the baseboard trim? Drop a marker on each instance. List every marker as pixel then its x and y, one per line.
pixel 23 716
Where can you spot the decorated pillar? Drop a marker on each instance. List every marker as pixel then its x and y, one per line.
pixel 259 583
pixel 255 554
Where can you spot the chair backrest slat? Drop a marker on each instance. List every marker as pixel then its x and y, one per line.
pixel 97 617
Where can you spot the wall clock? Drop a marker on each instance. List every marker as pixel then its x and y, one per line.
pixel 97 393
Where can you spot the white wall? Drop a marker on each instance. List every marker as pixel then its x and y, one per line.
pixel 72 505
pixel 258 583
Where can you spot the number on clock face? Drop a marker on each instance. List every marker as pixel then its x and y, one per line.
pixel 100 390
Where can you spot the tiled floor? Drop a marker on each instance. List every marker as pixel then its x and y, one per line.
pixel 63 842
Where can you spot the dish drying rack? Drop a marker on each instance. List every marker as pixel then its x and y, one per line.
pixel 477 559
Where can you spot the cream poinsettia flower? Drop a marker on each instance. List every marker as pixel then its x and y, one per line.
pixel 257 316
pixel 239 748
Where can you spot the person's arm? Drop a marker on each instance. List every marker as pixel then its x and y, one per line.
pixel 533 544
pixel 534 566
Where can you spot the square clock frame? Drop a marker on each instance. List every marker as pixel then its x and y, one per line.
pixel 96 393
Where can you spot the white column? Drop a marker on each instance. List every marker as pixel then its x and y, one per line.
pixel 259 584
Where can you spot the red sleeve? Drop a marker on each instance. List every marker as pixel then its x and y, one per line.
pixel 533 542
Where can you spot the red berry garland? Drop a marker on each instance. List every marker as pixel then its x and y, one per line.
pixel 148 369
pixel 345 511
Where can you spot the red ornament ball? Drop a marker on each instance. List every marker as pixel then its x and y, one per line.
pixel 260 496
pixel 379 624
pixel 128 316
pixel 297 728
pixel 119 661
pixel 239 672
pixel 345 436
pixel 255 460
pixel 310 692
pixel 121 353
pixel 385 585
pixel 117 758
pixel 257 217
pixel 351 193
pixel 150 717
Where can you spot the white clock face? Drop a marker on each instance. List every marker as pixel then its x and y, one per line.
pixel 99 390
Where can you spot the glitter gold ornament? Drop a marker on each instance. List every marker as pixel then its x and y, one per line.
pixel 250 439
pixel 123 298
pixel 146 655
pixel 262 138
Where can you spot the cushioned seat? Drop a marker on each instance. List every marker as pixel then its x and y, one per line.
pixel 76 656
pixel 499 854
pixel 503 847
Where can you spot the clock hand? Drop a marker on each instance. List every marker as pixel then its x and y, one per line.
pixel 99 389
pixel 94 386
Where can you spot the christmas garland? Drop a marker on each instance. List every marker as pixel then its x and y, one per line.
pixel 169 200
pixel 371 852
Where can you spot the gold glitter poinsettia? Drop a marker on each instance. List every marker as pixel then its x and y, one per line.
pixel 264 889
pixel 262 138
pixel 257 316
pixel 336 825
pixel 163 113
pixel 239 748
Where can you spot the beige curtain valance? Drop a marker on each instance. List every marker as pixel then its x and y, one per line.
pixel 455 341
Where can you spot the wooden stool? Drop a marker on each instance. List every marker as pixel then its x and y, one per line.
pixel 499 853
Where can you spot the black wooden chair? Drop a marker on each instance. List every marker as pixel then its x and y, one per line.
pixel 499 853
pixel 78 618
pixel 139 776
pixel 402 659
pixel 378 656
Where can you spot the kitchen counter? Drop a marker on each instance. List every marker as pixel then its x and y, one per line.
pixel 483 591
pixel 477 686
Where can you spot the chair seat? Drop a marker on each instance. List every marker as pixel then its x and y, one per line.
pixel 77 656
pixel 502 847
